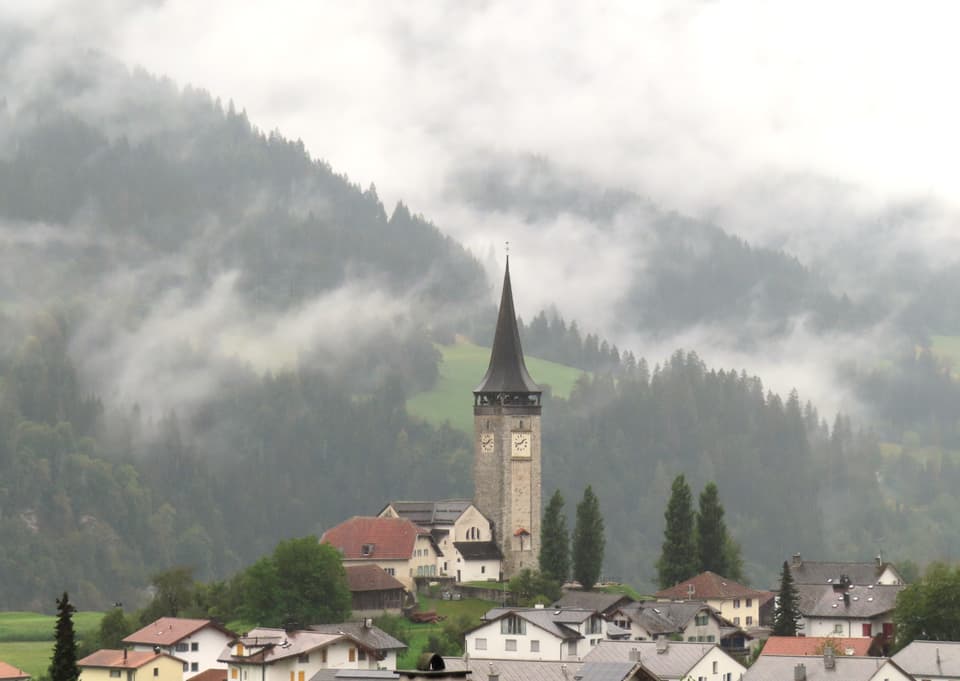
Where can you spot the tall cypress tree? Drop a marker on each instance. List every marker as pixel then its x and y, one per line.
pixel 63 664
pixel 786 615
pixel 716 551
pixel 588 540
pixel 555 541
pixel 678 558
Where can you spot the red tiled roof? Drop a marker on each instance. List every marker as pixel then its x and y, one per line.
pixel 120 659
pixel 370 578
pixel 386 538
pixel 8 671
pixel 166 631
pixel 813 645
pixel 210 675
pixel 713 586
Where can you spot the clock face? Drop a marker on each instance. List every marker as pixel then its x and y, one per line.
pixel 486 443
pixel 520 444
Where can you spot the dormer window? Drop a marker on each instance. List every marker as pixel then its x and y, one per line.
pixel 513 625
pixel 366 550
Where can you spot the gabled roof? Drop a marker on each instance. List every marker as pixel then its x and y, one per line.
pixel 607 671
pixel 167 631
pixel 928 659
pixel 658 617
pixel 864 602
pixel 555 622
pixel 430 513
pixel 507 372
pixel 371 637
pixel 478 550
pixel 593 600
pixel 710 585
pixel 368 538
pixel 8 671
pixel 267 644
pixel 813 645
pixel 676 659
pixel 516 670
pixel 780 667
pixel 213 674
pixel 828 572
pixel 370 578
pixel 122 659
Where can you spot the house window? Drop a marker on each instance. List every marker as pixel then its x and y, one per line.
pixel 323 655
pixel 572 648
pixel 353 655
pixel 186 666
pixel 303 659
pixel 483 569
pixel 728 676
pixel 749 620
pixel 736 621
pixel 715 663
pixel 156 671
pixel 692 639
pixel 366 550
pixel 115 673
pixel 711 638
pixel 749 602
pixel 194 647
pixel 182 647
pixel 510 645
pixel 534 646
pixel 594 626
pixel 736 602
pixel 701 619
pixel 838 628
pixel 233 672
pixel 300 676
pixel 513 625
pixel 479 644
pixel 361 654
pixel 239 649
pixel 194 666
pixel 391 571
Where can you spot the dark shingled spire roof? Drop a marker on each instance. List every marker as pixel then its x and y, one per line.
pixel 507 372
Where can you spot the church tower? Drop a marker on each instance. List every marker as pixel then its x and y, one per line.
pixel 506 434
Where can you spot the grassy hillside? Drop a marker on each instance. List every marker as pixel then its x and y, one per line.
pixel 462 367
pixel 26 638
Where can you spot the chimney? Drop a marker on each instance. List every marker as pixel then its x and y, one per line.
pixel 800 673
pixel 829 661
pixel 492 675
pixel 367 622
pixel 125 654
pixel 634 655
pixel 879 560
pixel 662 646
pixel 846 598
pixel 797 560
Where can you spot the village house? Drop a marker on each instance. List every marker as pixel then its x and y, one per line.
pixel 268 654
pixel 826 667
pixel 848 610
pixel 10 673
pixel 694 621
pixel 605 603
pixel 402 549
pixel 930 660
pixel 660 660
pixel 742 606
pixel 463 534
pixel 197 642
pixel 130 665
pixel 374 592
pixel 535 634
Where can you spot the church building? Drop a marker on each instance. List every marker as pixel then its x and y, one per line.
pixel 507 463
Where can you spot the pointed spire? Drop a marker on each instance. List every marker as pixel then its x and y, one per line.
pixel 507 375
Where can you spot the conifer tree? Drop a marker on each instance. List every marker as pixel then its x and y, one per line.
pixel 63 664
pixel 786 616
pixel 716 551
pixel 678 558
pixel 555 541
pixel 588 540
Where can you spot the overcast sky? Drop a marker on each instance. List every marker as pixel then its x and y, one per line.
pixel 785 122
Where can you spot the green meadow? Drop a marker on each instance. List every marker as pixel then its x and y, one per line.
pixel 461 369
pixel 26 638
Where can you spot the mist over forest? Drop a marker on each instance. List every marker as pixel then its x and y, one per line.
pixel 209 333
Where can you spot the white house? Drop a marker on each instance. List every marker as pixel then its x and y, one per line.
pixel 824 668
pixel 197 642
pixel 693 620
pixel 267 654
pixel 667 660
pixel 463 534
pixel 848 610
pixel 930 660
pixel 535 634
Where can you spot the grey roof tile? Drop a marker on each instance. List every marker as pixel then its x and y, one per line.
pixel 930 658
